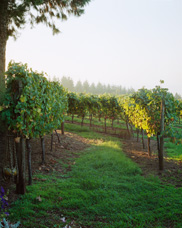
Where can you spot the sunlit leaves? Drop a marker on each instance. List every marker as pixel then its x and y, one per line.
pixel 144 109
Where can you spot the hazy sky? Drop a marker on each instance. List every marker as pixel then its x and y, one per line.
pixel 133 43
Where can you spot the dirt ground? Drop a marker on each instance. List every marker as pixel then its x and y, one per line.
pixel 172 173
pixel 72 146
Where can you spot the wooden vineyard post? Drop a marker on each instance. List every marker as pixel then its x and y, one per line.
pixel 43 150
pixel 132 133
pixel 51 141
pixel 105 126
pixel 82 120
pixel 143 142
pixel 29 162
pixel 62 128
pixel 127 126
pixel 91 120
pixel 149 148
pixel 58 134
pixel 21 148
pixel 112 123
pixel 158 142
pixel 137 135
pixel 161 146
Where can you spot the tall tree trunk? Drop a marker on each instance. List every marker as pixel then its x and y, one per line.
pixel 3 41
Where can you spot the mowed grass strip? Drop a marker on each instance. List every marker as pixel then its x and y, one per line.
pixel 173 150
pixel 104 189
pixel 95 121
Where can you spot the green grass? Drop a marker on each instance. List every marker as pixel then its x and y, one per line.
pixel 105 189
pixel 177 124
pixel 173 150
pixel 95 121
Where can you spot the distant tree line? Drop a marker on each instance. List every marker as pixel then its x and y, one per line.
pixel 93 88
pixel 178 96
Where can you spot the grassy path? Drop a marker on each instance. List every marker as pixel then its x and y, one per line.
pixel 104 189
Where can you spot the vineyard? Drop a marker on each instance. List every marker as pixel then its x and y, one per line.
pixel 151 112
pixel 36 111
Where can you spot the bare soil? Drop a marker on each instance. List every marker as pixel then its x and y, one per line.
pixel 172 173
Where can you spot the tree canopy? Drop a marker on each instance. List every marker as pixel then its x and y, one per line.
pixel 14 14
pixel 40 11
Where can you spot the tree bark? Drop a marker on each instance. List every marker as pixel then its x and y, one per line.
pixel 3 42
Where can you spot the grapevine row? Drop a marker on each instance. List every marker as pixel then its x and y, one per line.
pixel 35 107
